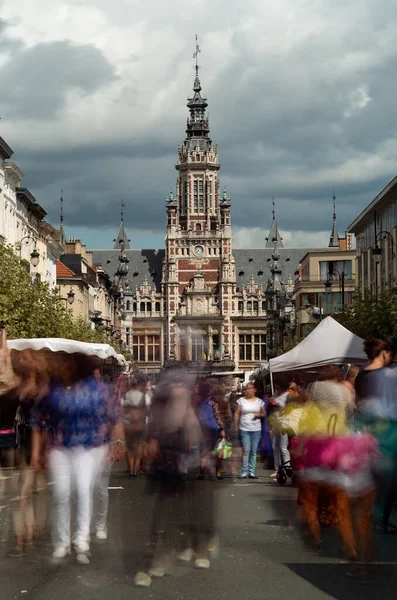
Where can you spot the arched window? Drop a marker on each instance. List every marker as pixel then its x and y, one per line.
pixel 128 305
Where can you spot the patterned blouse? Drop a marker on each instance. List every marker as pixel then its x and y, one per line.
pixel 209 414
pixel 76 416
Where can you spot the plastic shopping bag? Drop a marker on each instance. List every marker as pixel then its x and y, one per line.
pixel 223 449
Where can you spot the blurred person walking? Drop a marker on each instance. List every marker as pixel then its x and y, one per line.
pixel 135 411
pixel 29 512
pixel 279 440
pixel 173 433
pixel 247 419
pixel 75 412
pixel 227 421
pixel 212 427
pixel 376 389
pixel 333 471
pixel 115 451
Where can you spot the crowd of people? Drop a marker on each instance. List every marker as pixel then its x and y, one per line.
pixel 61 422
pixel 336 434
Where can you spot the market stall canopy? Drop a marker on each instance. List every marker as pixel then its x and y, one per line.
pixel 102 351
pixel 328 344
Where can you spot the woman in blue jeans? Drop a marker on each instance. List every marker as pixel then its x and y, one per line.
pixel 247 418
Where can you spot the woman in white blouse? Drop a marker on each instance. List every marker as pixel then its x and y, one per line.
pixel 247 418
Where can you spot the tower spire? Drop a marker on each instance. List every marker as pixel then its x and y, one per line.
pixel 274 237
pixel 197 123
pixel 62 236
pixel 121 241
pixel 334 239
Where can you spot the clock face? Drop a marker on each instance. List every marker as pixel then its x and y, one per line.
pixel 198 250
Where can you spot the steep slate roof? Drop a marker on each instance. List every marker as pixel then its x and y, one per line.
pixel 143 263
pixel 121 236
pixel 334 239
pixel 274 235
pixel 148 263
pixel 250 261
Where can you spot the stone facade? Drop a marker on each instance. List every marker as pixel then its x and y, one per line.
pixel 375 230
pixel 22 222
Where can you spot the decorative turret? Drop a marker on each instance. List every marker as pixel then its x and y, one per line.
pixel 121 241
pixel 274 234
pixel 62 236
pixel 225 200
pixel 334 239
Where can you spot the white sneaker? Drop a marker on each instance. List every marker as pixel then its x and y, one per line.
pixel 102 534
pixel 202 563
pixel 81 545
pixel 158 571
pixel 61 552
pixel 142 580
pixel 186 555
pixel 243 475
pixel 83 558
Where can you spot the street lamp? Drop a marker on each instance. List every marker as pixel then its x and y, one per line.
pixel 34 255
pixel 341 278
pixel 377 251
pixel 70 297
pixel 34 258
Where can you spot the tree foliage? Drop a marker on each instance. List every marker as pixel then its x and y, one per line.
pixel 33 310
pixel 371 314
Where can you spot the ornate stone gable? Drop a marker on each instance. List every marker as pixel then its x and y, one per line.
pixel 198 299
pixel 146 289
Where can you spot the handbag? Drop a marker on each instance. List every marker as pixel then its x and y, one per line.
pixel 8 379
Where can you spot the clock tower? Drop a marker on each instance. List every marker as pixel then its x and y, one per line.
pixel 199 278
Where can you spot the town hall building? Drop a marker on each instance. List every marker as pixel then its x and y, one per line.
pixel 198 300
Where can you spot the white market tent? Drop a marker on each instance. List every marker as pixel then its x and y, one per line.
pixel 102 351
pixel 328 344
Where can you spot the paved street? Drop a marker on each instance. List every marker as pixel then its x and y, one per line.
pixel 262 555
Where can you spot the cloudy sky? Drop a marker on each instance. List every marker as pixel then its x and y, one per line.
pixel 301 100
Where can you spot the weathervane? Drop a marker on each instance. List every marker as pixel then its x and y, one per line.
pixel 122 210
pixel 195 55
pixel 61 207
pixel 334 201
pixel 274 209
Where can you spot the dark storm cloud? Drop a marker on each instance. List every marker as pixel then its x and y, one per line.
pixel 37 79
pixel 294 121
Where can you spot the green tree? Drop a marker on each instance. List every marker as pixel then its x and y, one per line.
pixel 371 315
pixel 30 310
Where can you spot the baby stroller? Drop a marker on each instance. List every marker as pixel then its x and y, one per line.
pixel 288 423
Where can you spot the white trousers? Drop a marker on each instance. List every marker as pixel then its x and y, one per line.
pixel 73 469
pixel 101 493
pixel 280 448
